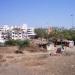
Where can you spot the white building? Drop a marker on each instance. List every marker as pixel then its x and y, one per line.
pixel 24 27
pixel 30 32
pixel 6 28
pixel 2 38
pixel 16 32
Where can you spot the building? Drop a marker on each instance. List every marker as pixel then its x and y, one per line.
pixel 16 32
pixel 2 37
pixel 30 32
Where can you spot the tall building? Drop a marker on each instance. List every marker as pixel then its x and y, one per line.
pixel 16 32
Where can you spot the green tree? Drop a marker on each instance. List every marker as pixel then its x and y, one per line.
pixel 22 44
pixel 11 43
pixel 41 32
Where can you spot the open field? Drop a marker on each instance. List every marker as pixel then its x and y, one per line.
pixel 36 63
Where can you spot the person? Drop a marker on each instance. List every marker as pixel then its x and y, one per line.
pixel 62 47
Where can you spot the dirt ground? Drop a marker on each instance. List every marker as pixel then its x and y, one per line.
pixel 36 63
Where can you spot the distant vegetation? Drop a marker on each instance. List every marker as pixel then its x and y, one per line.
pixel 42 33
pixel 56 34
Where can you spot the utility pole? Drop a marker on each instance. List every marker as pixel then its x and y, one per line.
pixel 72 17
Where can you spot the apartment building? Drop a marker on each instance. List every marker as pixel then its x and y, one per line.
pixel 3 36
pixel 16 32
pixel 30 32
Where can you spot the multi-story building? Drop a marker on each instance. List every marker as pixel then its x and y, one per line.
pixel 30 32
pixel 17 32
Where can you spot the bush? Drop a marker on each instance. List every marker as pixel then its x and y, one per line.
pixel 11 43
pixel 18 51
pixel 22 44
pixel 2 44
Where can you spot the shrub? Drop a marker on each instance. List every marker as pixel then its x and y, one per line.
pixel 22 44
pixel 10 43
pixel 18 51
pixel 2 44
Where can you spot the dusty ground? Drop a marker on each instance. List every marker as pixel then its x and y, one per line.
pixel 37 63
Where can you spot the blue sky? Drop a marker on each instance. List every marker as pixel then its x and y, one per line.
pixel 37 13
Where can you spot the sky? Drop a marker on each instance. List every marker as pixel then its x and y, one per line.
pixel 37 13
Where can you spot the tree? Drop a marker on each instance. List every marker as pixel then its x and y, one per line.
pixel 42 33
pixel 22 44
pixel 56 34
pixel 66 34
pixel 11 42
